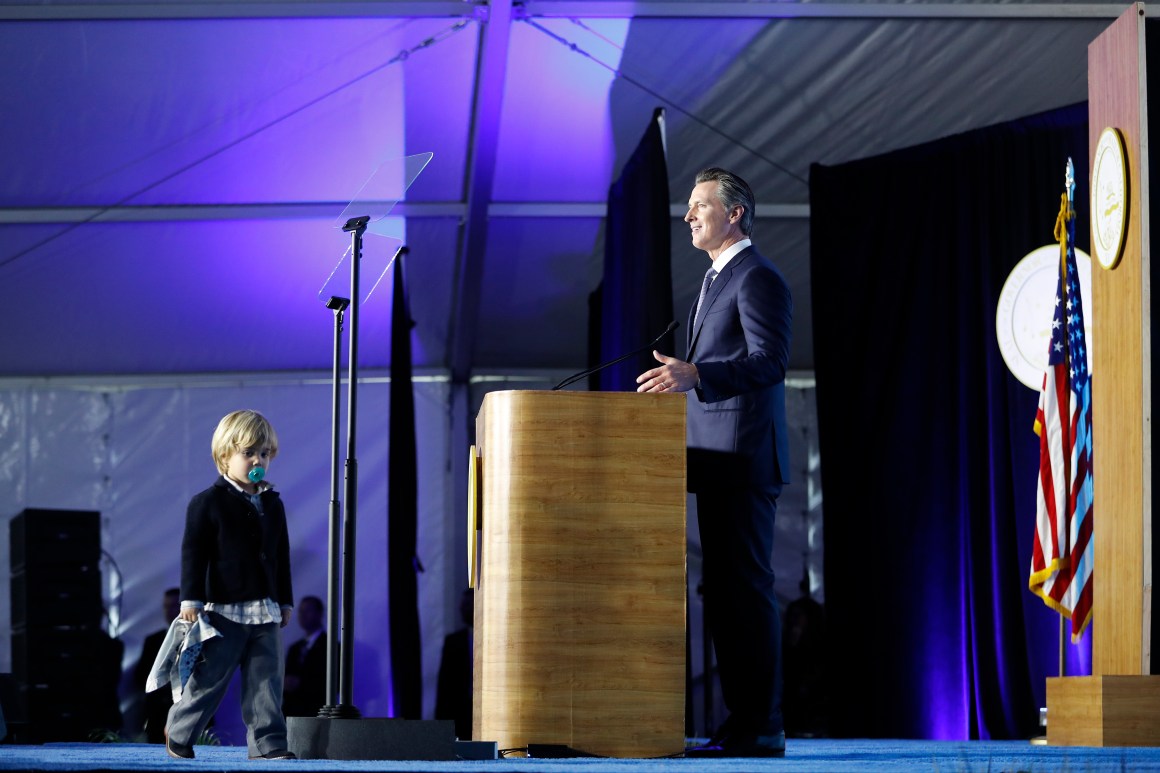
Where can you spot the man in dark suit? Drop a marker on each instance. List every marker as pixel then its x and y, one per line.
pixel 739 334
pixel 304 690
pixel 157 703
pixel 453 690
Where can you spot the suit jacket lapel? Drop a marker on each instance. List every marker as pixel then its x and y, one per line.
pixel 715 290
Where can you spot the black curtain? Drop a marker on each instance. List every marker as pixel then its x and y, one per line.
pixel 929 462
pixel 402 516
pixel 634 302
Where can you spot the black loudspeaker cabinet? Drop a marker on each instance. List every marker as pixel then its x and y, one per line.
pixel 42 538
pixel 65 667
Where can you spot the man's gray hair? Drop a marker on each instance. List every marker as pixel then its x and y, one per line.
pixel 732 192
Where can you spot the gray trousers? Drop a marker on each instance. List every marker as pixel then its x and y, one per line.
pixel 257 649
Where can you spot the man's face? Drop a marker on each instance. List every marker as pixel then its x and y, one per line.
pixel 711 225
pixel 309 616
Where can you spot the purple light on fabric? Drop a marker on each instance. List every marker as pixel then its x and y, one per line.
pixel 556 112
pixel 389 692
pixel 201 98
pixel 946 689
pixel 1079 657
pixel 942 691
pixel 417 353
pixel 999 608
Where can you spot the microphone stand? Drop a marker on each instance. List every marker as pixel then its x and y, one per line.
pixel 584 373
pixel 338 305
pixel 339 705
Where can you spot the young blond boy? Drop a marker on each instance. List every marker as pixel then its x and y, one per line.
pixel 235 569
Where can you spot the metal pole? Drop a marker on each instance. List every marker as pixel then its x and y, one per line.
pixel 338 305
pixel 356 227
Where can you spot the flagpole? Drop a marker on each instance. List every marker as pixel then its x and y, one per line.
pixel 1069 189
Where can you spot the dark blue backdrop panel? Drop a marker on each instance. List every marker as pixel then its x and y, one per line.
pixel 929 462
pixel 403 563
pixel 634 302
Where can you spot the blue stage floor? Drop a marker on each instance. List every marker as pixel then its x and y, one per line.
pixel 815 756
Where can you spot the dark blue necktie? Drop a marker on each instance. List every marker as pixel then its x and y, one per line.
pixel 709 276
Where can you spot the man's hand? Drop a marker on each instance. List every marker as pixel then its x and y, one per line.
pixel 672 376
pixel 189 614
pixel 287 613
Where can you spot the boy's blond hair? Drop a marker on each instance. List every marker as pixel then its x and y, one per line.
pixel 240 430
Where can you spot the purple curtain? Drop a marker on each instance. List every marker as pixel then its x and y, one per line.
pixel 929 462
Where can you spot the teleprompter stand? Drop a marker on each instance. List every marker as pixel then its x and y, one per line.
pixel 339 732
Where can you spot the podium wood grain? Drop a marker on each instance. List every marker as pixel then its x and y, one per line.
pixel 1103 711
pixel 1121 368
pixel 580 604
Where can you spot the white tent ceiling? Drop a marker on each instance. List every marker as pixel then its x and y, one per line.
pixel 171 171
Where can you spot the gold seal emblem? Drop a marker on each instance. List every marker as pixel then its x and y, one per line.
pixel 1109 198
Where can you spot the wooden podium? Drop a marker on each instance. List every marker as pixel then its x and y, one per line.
pixel 580 591
pixel 1119 704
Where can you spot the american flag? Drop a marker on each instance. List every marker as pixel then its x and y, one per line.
pixel 1061 563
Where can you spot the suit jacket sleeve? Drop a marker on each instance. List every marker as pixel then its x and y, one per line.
pixel 196 547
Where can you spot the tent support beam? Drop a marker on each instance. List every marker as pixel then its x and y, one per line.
pixel 491 73
pixel 586 9
pixel 325 210
pixel 796 10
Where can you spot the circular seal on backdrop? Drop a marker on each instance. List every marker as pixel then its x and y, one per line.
pixel 1109 194
pixel 1027 306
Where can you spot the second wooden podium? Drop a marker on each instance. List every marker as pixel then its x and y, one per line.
pixel 580 590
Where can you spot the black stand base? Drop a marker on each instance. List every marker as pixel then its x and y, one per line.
pixel 323 738
pixel 339 711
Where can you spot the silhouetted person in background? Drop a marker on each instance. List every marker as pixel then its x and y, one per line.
pixel 304 691
pixel 453 693
pixel 804 651
pixel 102 682
pixel 157 703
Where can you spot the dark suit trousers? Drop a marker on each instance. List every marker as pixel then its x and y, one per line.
pixel 737 542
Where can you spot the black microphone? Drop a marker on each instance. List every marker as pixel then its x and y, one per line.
pixel 574 378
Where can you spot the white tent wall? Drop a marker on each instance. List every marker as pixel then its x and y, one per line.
pixel 137 451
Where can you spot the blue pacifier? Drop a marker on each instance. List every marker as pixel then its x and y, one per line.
pixel 255 475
